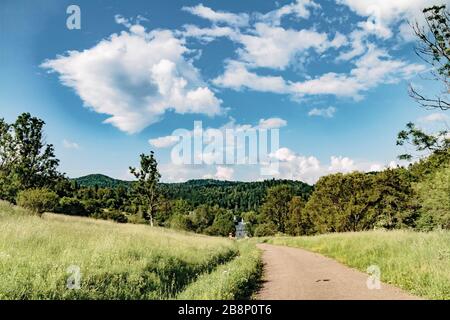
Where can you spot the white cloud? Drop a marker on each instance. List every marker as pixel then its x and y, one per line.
pixel 224 173
pixel 135 77
pixel 276 47
pixel 326 112
pixel 388 12
pixel 272 123
pixel 310 169
pixel 70 144
pixel 218 16
pixel 208 34
pixel 299 9
pixel 237 76
pixel 435 117
pixel 372 69
pixel 341 164
pixel 164 142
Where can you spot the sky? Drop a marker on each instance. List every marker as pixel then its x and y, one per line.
pixel 330 76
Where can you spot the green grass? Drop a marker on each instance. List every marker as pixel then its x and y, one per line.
pixel 237 279
pixel 117 261
pixel 417 262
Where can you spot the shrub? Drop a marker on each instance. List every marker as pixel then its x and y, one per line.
pixel 72 206
pixel 92 206
pixel 38 200
pixel 180 222
pixel 265 230
pixel 113 215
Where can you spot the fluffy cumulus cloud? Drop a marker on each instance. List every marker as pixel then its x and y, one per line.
pixel 276 47
pixel 135 77
pixel 310 169
pixel 388 12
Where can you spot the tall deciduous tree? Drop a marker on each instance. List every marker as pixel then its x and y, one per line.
pixel 146 187
pixel 26 160
pixel 276 205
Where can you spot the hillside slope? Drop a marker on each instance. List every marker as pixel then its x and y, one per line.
pixel 62 257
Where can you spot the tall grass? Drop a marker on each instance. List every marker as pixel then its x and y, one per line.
pixel 116 261
pixel 237 279
pixel 417 262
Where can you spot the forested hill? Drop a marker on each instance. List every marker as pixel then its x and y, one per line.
pixel 101 181
pixel 242 196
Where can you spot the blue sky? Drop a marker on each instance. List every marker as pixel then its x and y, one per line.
pixel 331 75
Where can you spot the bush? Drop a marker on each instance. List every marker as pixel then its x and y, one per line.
pixel 113 215
pixel 180 222
pixel 72 206
pixel 38 200
pixel 265 230
pixel 92 206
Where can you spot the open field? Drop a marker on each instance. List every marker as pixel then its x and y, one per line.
pixel 116 261
pixel 416 262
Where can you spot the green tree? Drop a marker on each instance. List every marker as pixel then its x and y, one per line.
pixel 146 187
pixel 276 206
pixel 434 197
pixel 26 160
pixel 298 222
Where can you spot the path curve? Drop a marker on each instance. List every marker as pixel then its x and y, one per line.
pixel 297 274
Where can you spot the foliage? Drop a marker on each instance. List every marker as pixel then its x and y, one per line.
pixel 415 261
pixel 265 229
pixel 358 201
pixel 422 142
pixel 114 215
pixel 434 196
pixel 434 48
pixel 26 160
pixel 71 206
pixel 146 187
pixel 223 223
pixel 276 206
pixel 38 200
pixel 101 181
pixel 299 222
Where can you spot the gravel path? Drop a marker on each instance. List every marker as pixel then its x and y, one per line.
pixel 296 274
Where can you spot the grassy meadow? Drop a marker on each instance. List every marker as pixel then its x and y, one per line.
pixel 417 262
pixel 116 261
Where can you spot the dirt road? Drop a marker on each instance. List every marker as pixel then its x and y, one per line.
pixel 296 274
